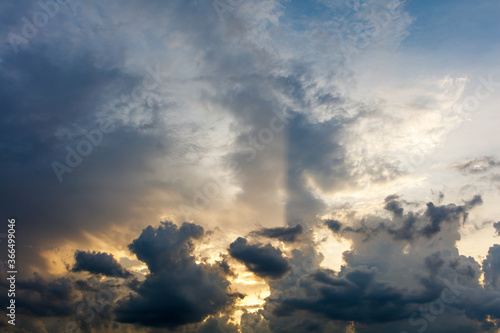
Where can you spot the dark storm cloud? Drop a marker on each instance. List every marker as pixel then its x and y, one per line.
pixel 61 84
pixel 286 234
pixel 434 262
pixel 48 304
pixel 464 266
pixel 392 205
pixel 177 291
pixel 407 229
pixel 84 286
pixel 166 246
pixel 410 225
pixel 224 265
pixel 477 200
pixel 334 225
pixel 99 263
pixel 265 261
pixel 356 296
pixel 172 299
pixel 438 215
pixel 41 298
pixel 46 103
pixel 496 225
pixel 34 110
pixel 478 165
pixel 491 266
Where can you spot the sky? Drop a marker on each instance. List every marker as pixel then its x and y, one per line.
pixel 257 166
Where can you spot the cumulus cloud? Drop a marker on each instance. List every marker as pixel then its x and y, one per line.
pixel 389 282
pixel 409 225
pixel 491 266
pixel 166 246
pixel 264 260
pixel 178 291
pixel 385 282
pixel 99 263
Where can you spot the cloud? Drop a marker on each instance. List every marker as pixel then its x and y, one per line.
pixel 317 158
pixel 212 325
pixel 84 286
pixel 437 215
pixel 160 137
pixel 497 227
pixel 410 225
pixel 373 300
pixel 177 291
pixel 354 297
pixel 46 130
pixel 389 276
pixel 384 281
pixel 334 225
pixel 172 299
pixel 491 267
pixel 285 234
pixel 49 303
pixel 40 297
pixel 167 246
pixel 265 261
pixel 477 166
pixel 268 87
pixel 434 262
pixel 392 205
pixel 99 263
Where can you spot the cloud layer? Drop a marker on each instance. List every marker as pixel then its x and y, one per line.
pixel 317 167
